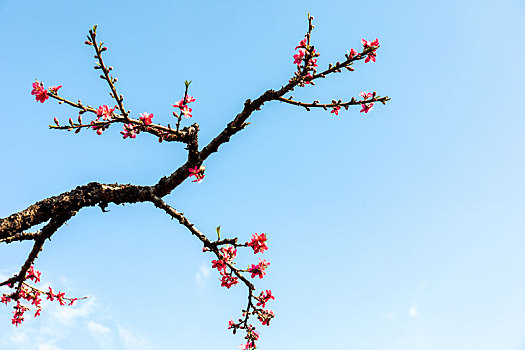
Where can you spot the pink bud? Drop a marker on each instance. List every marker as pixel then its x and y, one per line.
pixel 56 121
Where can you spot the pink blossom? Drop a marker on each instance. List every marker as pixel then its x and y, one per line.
pixel 366 107
pixel 313 62
pixel 253 334
pixel 18 314
pixel 308 79
pixel 352 53
pixel 298 57
pixel 258 243
pixel 219 264
pixel 228 281
pixel 146 118
pixel 259 269
pixel 231 324
pixel 302 44
pixel 372 54
pixel 129 131
pixel 98 127
pixel 181 103
pixel 39 92
pixel 5 299
pixel 250 345
pixel 265 317
pixel 199 176
pixel 366 95
pixel 33 274
pixel 371 57
pixel 35 300
pixel 367 44
pixel 264 297
pixel 104 112
pixel 55 89
pixel 229 252
pixel 190 99
pixel 335 110
pixel 60 298
pixel 186 111
pixel 50 295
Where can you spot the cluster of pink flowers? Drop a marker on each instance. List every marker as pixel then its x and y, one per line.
pixel 129 131
pixel 146 118
pixel 301 54
pixel 265 317
pixel 227 255
pixel 258 243
pixel 227 280
pixel 183 105
pixel 372 54
pixel 264 297
pixel 39 92
pixel 32 295
pixel 308 55
pixel 197 172
pixel 223 264
pixel 259 269
pixel 366 107
pixel 251 336
pixel 105 112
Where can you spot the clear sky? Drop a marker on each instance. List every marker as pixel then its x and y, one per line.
pixel 399 229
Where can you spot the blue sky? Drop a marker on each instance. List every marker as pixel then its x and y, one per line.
pixel 399 229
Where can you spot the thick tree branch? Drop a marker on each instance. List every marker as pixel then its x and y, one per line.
pixel 46 232
pixel 83 196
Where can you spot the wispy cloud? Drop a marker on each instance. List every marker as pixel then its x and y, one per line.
pixel 132 341
pixel 48 347
pixel 202 275
pixel 97 328
pixel 67 315
pixel 413 312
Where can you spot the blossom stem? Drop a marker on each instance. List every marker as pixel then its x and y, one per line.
pixel 118 98
pixel 316 104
